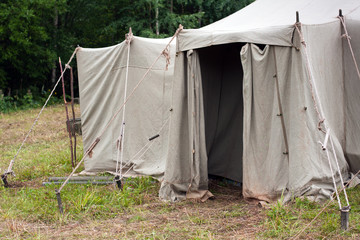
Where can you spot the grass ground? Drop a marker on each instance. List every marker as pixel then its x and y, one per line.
pixel 28 210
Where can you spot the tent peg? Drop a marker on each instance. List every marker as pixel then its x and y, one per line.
pixel 58 196
pixel 340 13
pixel 345 212
pixel 297 17
pixel 4 179
pixel 118 182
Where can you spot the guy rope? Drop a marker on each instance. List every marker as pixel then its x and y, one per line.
pixel 9 170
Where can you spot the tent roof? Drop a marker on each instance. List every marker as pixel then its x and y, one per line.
pixel 266 22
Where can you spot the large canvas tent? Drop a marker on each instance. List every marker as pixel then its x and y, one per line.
pixel 253 98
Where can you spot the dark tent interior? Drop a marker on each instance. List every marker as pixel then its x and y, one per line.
pixel 222 79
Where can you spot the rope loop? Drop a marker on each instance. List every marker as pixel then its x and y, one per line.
pixel 129 36
pixel 166 54
pixel 298 27
pixel 319 125
pixel 346 36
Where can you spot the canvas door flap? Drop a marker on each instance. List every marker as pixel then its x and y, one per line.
pixel 197 146
pixel 265 167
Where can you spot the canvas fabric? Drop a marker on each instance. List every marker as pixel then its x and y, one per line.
pixel 102 82
pixel 265 22
pixel 268 172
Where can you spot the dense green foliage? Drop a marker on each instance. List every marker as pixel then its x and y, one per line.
pixel 34 33
pixel 29 100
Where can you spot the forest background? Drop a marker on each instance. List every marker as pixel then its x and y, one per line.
pixel 34 33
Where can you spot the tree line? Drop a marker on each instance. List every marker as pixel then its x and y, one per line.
pixel 34 33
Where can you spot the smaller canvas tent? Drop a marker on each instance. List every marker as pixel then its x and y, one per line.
pixel 102 74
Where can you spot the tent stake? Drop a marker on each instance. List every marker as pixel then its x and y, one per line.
pixel 58 196
pixel 345 212
pixel 4 179
pixel 118 182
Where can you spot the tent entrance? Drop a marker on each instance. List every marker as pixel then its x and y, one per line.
pixel 222 79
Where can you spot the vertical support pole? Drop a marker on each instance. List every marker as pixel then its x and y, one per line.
pixel 67 115
pixel 58 196
pixel 297 17
pixel 73 110
pixel 345 212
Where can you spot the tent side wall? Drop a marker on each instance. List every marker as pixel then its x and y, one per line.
pixel 352 90
pixel 97 82
pixel 326 59
pixel 306 168
pixel 102 75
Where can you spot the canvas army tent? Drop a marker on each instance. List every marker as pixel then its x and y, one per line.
pixel 102 74
pixel 253 99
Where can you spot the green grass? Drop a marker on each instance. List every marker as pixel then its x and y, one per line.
pixel 81 202
pixel 29 210
pixel 287 220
